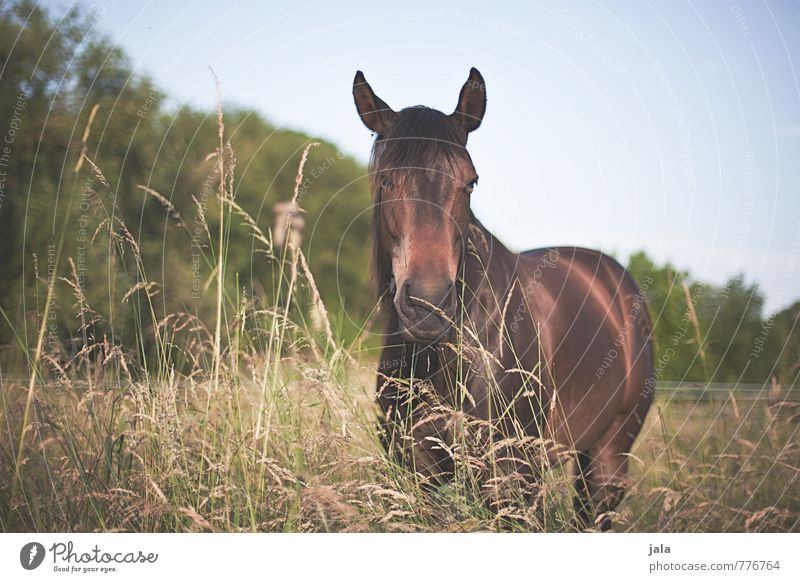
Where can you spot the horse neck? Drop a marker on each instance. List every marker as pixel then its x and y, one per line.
pixel 488 266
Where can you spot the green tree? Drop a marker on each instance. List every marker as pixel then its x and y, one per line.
pixel 66 95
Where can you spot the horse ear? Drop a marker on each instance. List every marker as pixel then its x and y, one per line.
pixel 374 112
pixel 471 102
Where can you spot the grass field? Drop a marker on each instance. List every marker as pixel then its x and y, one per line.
pixel 186 456
pixel 716 464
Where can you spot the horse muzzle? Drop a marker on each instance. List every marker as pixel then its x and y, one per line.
pixel 425 310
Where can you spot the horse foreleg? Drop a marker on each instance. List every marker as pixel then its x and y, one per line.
pixel 511 483
pixel 416 433
pixel 582 502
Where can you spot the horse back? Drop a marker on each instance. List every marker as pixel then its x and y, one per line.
pixel 594 331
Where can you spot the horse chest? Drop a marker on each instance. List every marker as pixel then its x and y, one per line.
pixel 493 386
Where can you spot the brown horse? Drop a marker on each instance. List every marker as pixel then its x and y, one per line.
pixel 490 349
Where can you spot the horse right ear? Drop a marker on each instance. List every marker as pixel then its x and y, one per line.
pixel 374 112
pixel 471 102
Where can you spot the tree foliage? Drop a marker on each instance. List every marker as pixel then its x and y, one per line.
pixel 707 333
pixel 61 85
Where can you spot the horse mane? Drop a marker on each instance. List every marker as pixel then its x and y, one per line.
pixel 419 137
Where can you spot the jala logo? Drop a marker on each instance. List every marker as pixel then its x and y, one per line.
pixel 31 555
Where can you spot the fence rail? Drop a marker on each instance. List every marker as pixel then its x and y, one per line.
pixel 714 390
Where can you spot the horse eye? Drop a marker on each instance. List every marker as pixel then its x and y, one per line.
pixel 471 186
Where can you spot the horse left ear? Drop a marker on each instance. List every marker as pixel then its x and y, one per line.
pixel 471 102
pixel 373 110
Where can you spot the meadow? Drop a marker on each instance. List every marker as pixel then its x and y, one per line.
pixel 292 446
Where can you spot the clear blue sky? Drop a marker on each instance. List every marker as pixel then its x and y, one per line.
pixel 668 126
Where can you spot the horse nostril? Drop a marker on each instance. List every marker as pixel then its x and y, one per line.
pixel 425 296
pixel 407 294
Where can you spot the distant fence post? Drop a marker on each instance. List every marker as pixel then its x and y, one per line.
pixel 775 391
pixel 289 223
